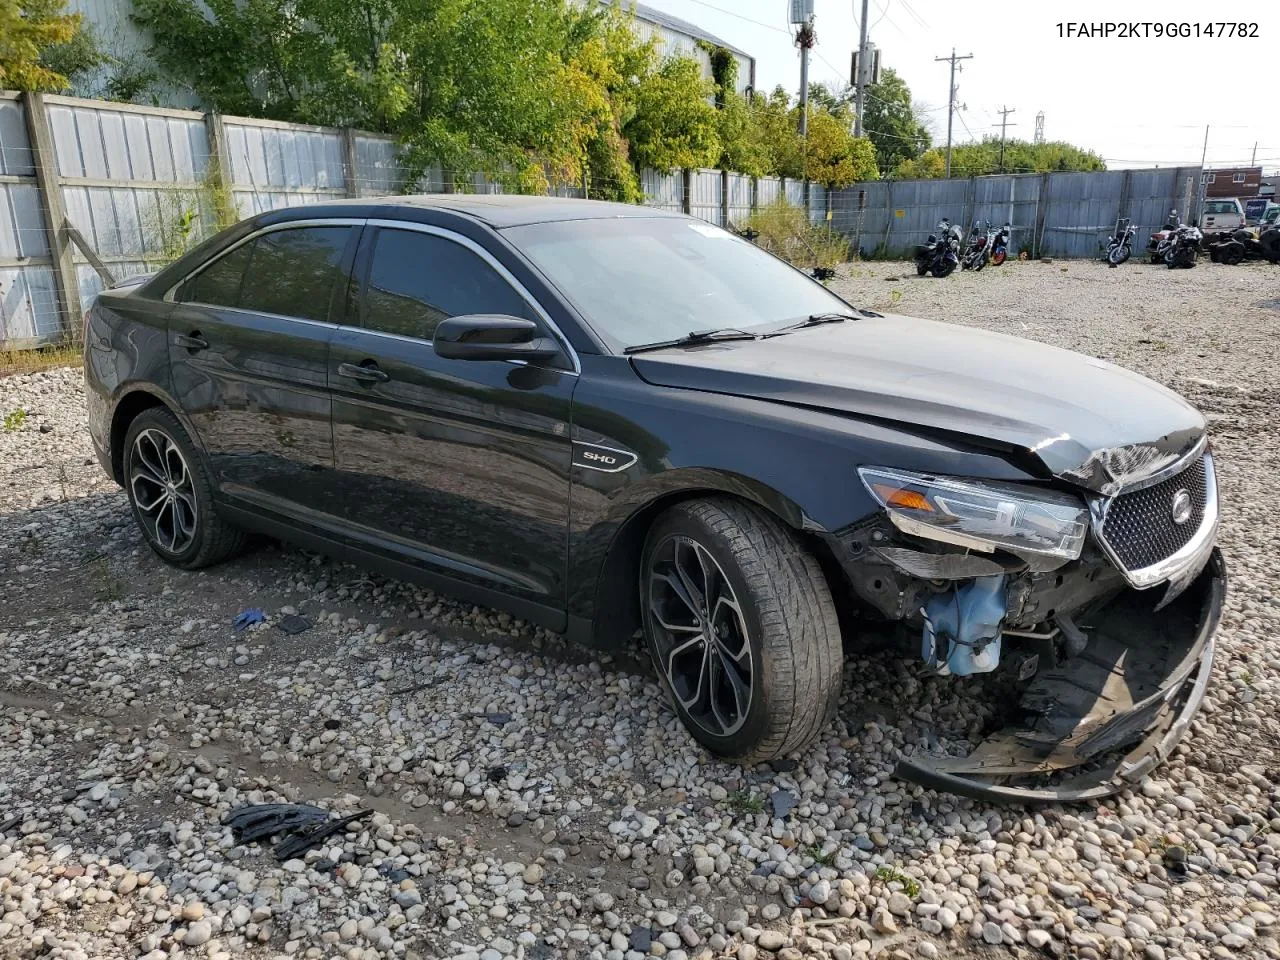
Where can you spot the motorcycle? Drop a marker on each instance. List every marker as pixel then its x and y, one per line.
pixel 980 244
pixel 1183 247
pixel 1162 239
pixel 1000 245
pixel 940 254
pixel 1120 243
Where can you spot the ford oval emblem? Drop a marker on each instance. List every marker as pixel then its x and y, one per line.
pixel 1181 507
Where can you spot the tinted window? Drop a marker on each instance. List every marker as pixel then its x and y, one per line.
pixel 417 279
pixel 219 284
pixel 292 272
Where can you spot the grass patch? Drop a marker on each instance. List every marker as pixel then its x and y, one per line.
pixel 821 859
pixel 743 801
pixel 107 587
pixel 14 419
pixel 910 885
pixel 13 360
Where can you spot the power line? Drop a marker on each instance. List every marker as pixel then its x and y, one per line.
pixel 731 13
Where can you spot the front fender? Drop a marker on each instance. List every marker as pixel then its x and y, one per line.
pixel 668 443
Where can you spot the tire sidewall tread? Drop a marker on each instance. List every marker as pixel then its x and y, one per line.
pixel 215 539
pixel 795 633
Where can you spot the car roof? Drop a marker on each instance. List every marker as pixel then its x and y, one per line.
pixel 498 210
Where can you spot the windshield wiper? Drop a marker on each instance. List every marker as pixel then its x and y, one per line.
pixel 813 320
pixel 694 336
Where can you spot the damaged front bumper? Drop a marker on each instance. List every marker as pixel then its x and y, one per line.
pixel 1138 684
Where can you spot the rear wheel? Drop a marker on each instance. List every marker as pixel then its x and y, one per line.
pixel 170 494
pixel 999 257
pixel 922 267
pixel 944 270
pixel 742 629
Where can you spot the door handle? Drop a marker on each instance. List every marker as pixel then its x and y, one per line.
pixel 193 342
pixel 365 373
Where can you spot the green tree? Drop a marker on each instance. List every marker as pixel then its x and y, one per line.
pixel 30 30
pixel 834 157
pixel 983 159
pixel 675 122
pixel 891 120
pixel 778 130
pixel 839 103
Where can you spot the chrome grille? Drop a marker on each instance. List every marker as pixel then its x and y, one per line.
pixel 1139 526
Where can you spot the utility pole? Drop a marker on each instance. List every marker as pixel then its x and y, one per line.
pixel 951 97
pixel 1253 159
pixel 805 39
pixel 862 70
pixel 1004 122
pixel 1204 186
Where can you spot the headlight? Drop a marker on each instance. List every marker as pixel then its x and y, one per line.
pixel 1041 526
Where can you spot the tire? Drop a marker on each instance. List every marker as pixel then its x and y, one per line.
pixel 170 494
pixel 922 267
pixel 980 263
pixel 999 256
pixel 1233 254
pixel 1118 255
pixel 778 614
pixel 943 271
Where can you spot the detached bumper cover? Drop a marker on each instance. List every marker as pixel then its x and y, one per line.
pixel 1137 685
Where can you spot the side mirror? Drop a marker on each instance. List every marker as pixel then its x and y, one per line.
pixel 487 336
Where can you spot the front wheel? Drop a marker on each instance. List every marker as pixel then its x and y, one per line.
pixel 943 269
pixel 999 256
pixel 170 494
pixel 742 629
pixel 1118 255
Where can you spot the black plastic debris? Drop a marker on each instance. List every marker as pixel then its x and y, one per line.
pixel 260 820
pixel 496 718
pixel 497 774
pixel 299 842
pixel 783 802
pixel 303 826
pixel 292 624
pixel 641 939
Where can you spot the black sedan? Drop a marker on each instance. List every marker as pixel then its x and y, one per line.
pixel 606 418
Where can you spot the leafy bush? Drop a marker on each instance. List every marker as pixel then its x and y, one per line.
pixel 784 230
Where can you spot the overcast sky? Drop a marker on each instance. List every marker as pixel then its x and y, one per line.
pixel 1137 102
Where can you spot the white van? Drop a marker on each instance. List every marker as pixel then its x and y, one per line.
pixel 1221 215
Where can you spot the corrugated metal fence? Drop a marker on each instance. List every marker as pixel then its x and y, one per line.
pixel 132 182
pixel 1052 214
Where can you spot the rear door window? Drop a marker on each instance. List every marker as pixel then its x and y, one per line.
pixel 418 279
pixel 292 272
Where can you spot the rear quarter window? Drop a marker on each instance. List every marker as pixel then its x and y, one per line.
pixel 219 283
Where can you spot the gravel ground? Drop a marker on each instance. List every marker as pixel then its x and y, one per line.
pixel 530 801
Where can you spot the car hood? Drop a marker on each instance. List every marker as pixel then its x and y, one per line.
pixel 1087 421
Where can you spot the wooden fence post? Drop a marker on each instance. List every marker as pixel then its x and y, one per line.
pixel 755 194
pixel 686 190
pixel 220 162
pixel 724 199
pixel 49 190
pixel 350 172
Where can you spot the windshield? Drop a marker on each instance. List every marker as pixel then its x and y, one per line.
pixel 639 279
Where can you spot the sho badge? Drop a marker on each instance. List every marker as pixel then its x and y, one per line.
pixel 605 459
pixel 1181 508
